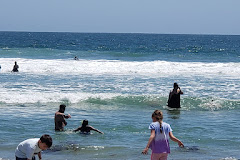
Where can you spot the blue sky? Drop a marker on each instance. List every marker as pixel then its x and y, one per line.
pixel 122 16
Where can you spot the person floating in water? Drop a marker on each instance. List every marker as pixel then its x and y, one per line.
pixel 174 97
pixel 76 58
pixel 15 67
pixel 59 118
pixel 85 128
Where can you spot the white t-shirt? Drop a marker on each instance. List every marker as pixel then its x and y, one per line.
pixel 27 148
pixel 160 144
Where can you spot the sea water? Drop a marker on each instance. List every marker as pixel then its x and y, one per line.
pixel 118 81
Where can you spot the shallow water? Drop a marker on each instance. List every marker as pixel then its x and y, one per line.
pixel 207 135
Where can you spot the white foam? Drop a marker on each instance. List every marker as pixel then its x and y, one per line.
pixel 229 158
pixel 30 96
pixel 114 67
pixel 36 92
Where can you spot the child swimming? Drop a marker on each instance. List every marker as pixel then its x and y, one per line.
pixel 85 128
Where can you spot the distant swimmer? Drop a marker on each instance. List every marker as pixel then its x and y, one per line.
pixel 15 67
pixel 174 97
pixel 59 118
pixel 76 58
pixel 85 128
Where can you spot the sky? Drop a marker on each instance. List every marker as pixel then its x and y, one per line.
pixel 122 16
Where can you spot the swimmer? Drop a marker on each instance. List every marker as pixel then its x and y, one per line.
pixel 15 67
pixel 85 128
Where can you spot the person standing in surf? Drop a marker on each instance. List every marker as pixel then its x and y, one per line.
pixel 159 138
pixel 174 97
pixel 15 67
pixel 59 118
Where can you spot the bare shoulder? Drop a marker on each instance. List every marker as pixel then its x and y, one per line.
pixel 59 113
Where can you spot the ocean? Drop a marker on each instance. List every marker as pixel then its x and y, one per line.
pixel 118 81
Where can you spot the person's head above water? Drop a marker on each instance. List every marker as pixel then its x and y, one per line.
pixel 175 85
pixel 85 123
pixel 62 108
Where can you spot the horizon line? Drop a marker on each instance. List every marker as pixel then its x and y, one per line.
pixel 125 33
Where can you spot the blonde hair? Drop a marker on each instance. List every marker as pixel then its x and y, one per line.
pixel 159 117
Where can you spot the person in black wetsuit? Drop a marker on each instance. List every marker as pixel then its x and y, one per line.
pixel 15 67
pixel 85 128
pixel 174 97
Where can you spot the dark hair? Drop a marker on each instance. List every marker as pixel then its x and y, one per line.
pixel 85 123
pixel 62 108
pixel 47 139
pixel 175 85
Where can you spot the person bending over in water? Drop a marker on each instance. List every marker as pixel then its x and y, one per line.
pixel 59 118
pixel 159 138
pixel 174 97
pixel 27 149
pixel 15 67
pixel 85 128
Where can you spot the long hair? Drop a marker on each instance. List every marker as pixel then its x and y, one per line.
pixel 175 85
pixel 159 117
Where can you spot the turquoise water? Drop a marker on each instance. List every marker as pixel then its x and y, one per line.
pixel 118 81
